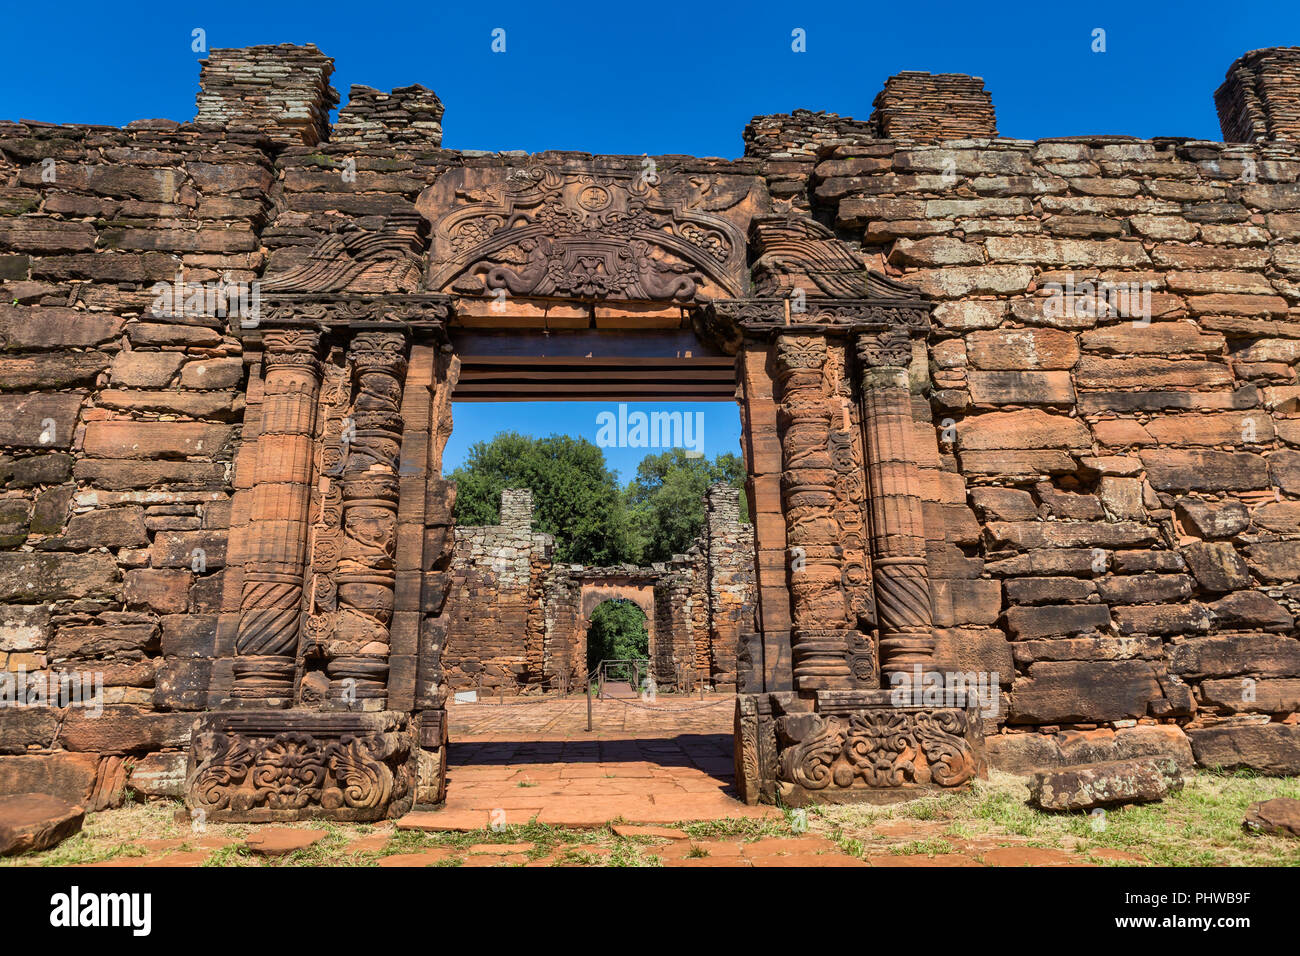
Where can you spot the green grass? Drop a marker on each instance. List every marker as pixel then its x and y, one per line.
pixel 1198 826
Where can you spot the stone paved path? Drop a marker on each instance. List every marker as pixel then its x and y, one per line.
pixel 642 762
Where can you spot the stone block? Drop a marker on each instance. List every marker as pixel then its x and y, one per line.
pixel 25 727
pixel 65 775
pixel 1217 566
pixel 124 729
pixel 53 576
pixel 164 591
pixel 1112 783
pixel 1194 470
pixel 1212 519
pixel 24 627
pixel 159 775
pixel 149 440
pixel 1271 749
pixel 42 420
pixel 30 822
pixel 1074 691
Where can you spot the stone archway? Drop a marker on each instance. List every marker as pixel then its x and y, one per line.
pixel 596 593
pixel 341 570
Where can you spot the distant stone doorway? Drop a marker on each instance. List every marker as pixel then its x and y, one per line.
pixel 618 646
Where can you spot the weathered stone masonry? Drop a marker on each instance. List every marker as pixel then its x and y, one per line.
pixel 242 527
pixel 518 620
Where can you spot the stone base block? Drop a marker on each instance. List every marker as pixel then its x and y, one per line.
pixel 850 747
pixel 249 766
pixel 30 822
pixel 1269 748
pixel 431 759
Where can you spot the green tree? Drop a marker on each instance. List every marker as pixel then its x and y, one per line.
pixel 575 496
pixel 617 632
pixel 666 500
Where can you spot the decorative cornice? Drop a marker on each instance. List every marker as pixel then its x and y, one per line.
pixel 761 316
pixel 332 310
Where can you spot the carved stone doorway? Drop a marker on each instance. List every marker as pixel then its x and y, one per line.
pixel 588 277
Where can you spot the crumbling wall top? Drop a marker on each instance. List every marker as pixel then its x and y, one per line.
pixel 282 89
pixel 1260 98
pixel 408 116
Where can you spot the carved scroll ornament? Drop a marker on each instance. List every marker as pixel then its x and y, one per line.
pixel 547 230
pixel 877 748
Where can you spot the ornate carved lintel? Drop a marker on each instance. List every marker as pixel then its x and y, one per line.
pixel 328 310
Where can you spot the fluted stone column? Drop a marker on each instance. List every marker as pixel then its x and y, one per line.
pixel 901 579
pixel 271 600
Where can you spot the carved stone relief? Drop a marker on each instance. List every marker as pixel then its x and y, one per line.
pixel 551 228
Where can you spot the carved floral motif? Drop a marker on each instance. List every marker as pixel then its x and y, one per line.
pixel 877 748
pixel 275 776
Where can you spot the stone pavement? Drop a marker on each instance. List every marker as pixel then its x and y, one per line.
pixel 643 762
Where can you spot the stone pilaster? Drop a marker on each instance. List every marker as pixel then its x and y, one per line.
pixel 819 611
pixel 270 612
pixel 357 651
pixel 894 506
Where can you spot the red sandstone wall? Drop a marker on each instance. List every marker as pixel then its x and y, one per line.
pixel 1121 500
pixel 119 429
pixel 1113 511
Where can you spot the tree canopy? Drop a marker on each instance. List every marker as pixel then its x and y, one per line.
pixel 666 499
pixel 617 632
pixel 576 496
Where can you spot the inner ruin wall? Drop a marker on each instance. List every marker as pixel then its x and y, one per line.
pixel 518 620
pixel 1112 508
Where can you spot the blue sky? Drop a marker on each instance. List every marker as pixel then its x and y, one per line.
pixel 643 77
pixel 718 427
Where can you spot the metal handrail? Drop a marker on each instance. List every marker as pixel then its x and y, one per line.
pixel 597 676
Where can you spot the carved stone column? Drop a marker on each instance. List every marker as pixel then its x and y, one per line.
pixel 819 611
pixel 271 600
pixel 357 651
pixel 894 504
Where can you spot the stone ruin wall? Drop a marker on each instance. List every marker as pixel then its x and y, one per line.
pixel 1112 511
pixel 518 620
pixel 494 602
pixel 1172 450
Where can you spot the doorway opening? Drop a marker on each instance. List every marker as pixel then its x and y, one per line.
pixel 618 648
pixel 600 516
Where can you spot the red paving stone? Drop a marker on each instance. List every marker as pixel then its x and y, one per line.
pixel 918 859
pixel 645 762
pixel 1031 856
pixel 431 857
pixel 278 841
pixel 660 833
